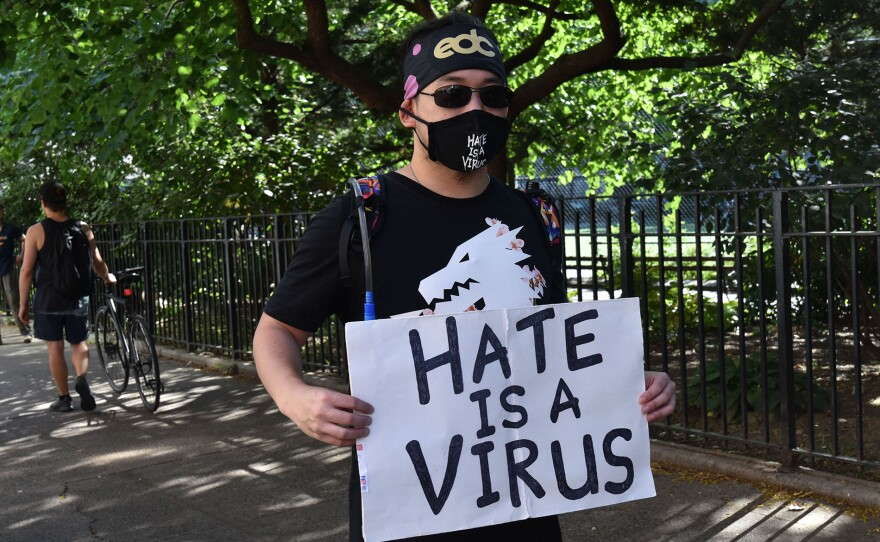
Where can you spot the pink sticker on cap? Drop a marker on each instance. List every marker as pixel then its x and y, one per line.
pixel 410 87
pixel 417 48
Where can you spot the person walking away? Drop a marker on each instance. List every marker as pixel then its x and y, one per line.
pixel 60 253
pixel 10 236
pixel 455 101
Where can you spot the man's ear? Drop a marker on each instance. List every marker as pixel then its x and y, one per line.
pixel 405 118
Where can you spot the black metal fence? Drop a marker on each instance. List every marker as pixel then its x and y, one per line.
pixel 762 305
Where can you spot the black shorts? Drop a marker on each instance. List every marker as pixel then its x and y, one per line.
pixel 57 327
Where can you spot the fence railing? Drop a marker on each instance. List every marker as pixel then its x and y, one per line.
pixel 762 305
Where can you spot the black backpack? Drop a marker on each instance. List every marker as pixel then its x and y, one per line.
pixel 70 265
pixel 372 199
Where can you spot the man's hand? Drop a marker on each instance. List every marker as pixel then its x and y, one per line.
pixel 327 415
pixel 23 314
pixel 658 399
pixel 323 414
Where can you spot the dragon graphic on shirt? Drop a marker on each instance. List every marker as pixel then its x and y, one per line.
pixel 484 272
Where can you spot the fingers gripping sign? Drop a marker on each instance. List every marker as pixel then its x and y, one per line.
pixel 658 400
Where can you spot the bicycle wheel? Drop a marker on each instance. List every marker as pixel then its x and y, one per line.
pixel 111 350
pixel 145 363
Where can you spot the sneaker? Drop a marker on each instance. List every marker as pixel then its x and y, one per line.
pixel 86 400
pixel 63 404
pixel 28 338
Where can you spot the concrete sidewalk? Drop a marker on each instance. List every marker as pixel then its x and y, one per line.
pixel 218 461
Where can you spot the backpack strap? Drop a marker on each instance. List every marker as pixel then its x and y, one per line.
pixel 374 203
pixel 545 208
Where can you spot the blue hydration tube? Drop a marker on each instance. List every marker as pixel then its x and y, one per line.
pixel 369 307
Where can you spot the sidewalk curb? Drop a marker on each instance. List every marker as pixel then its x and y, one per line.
pixel 224 365
pixel 831 486
pixel 245 369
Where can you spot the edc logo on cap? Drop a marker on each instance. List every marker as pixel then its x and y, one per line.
pixel 447 46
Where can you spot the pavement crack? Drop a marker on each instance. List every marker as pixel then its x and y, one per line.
pixel 91 520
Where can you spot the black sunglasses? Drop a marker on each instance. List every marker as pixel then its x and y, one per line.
pixel 455 96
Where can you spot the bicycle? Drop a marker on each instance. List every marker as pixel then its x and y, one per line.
pixel 124 342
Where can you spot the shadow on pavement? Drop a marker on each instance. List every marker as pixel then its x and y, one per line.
pixel 218 461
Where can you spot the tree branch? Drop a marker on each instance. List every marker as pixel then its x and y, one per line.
pixel 537 43
pixel 247 38
pixel 421 7
pixel 603 56
pixel 733 54
pixel 572 65
pixel 317 25
pixel 170 9
pixel 548 11
pixel 675 62
pixel 317 55
pixel 769 9
pixel 478 8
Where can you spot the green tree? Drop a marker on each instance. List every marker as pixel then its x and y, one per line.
pixel 555 52
pixel 806 117
pixel 212 107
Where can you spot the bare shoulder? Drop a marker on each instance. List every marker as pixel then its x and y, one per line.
pixel 35 231
pixel 35 236
pixel 86 230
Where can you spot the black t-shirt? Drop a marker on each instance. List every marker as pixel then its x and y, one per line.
pixel 10 234
pixel 423 234
pixel 460 246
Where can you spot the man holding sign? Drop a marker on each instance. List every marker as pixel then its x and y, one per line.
pixel 453 239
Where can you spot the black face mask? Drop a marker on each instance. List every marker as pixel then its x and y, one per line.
pixel 465 142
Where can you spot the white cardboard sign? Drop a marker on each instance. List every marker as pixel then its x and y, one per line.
pixel 494 416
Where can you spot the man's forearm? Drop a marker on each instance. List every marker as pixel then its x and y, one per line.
pixel 278 359
pixel 101 269
pixel 25 280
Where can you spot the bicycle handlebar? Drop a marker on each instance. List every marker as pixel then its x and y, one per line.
pixel 131 272
pixel 124 277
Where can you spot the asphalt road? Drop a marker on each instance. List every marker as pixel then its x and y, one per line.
pixel 219 462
